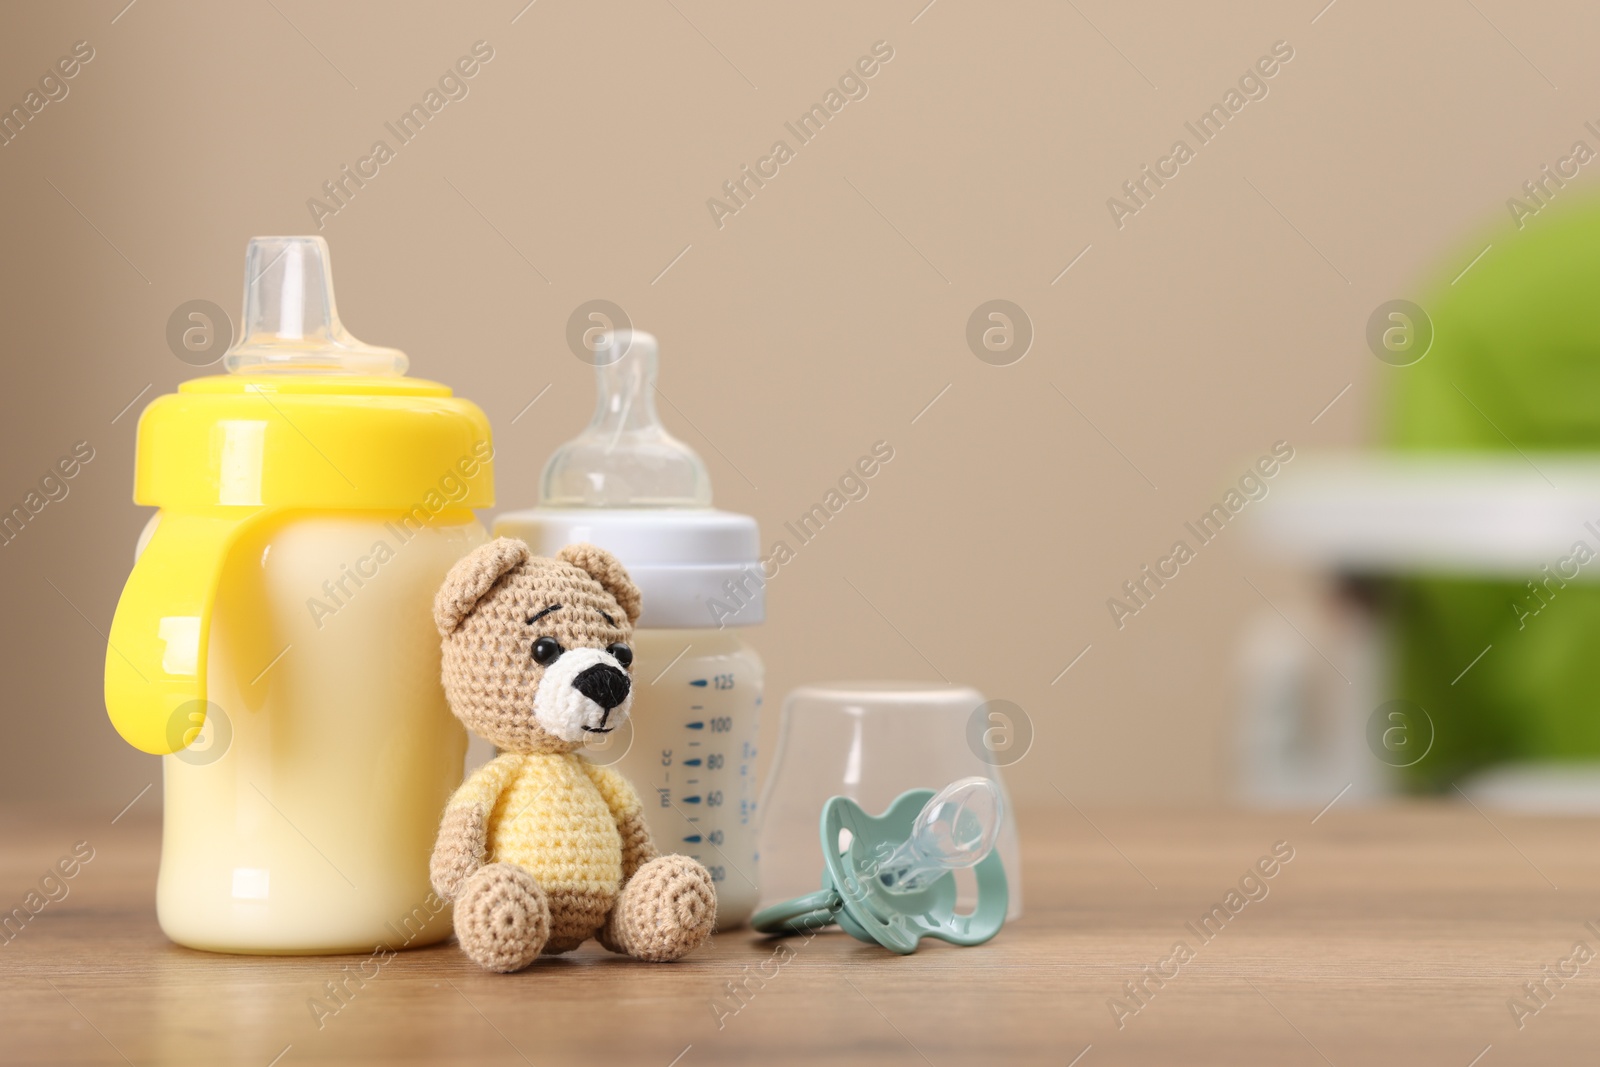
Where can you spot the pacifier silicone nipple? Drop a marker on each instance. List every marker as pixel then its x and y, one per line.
pixel 956 829
pixel 625 458
pixel 290 321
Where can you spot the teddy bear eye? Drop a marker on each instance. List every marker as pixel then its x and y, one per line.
pixel 622 653
pixel 546 651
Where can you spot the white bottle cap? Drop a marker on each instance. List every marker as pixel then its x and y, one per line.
pixel 696 568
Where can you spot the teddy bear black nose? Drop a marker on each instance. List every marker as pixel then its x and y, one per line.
pixel 603 684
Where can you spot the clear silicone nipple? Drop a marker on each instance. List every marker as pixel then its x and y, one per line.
pixel 290 321
pixel 955 829
pixel 625 458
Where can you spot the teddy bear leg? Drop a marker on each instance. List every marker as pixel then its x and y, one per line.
pixel 502 917
pixel 577 912
pixel 665 911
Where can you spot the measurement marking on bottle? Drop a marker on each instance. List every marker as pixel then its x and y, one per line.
pixel 692 799
pixel 694 781
pixel 697 707
pixel 695 725
pixel 694 839
pixel 694 742
pixel 692 762
pixel 699 683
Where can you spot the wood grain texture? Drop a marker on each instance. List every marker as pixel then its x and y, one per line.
pixel 1392 936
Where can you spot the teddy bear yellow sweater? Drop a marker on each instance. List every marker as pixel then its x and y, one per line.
pixel 556 816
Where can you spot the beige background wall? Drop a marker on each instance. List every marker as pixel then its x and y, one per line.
pixel 822 317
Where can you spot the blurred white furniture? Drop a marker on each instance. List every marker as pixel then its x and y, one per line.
pixel 1396 513
pixel 1314 678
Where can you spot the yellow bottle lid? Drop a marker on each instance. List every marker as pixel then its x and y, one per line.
pixel 311 441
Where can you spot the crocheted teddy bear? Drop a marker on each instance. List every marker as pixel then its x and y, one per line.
pixel 541 849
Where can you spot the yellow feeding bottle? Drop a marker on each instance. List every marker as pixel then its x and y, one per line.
pixel 275 642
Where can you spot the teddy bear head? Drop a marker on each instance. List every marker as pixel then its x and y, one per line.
pixel 536 654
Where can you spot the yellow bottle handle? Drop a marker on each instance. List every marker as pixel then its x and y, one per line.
pixel 156 656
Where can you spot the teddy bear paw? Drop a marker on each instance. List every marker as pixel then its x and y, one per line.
pixel 502 917
pixel 667 910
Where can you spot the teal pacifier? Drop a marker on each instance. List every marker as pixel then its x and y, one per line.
pixel 888 878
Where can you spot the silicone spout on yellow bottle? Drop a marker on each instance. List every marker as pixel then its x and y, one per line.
pixel 307 419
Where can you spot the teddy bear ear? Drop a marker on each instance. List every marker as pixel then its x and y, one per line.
pixel 603 567
pixel 473 576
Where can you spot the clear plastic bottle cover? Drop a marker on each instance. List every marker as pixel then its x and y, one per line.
pixel 625 458
pixel 291 323
pixel 871 741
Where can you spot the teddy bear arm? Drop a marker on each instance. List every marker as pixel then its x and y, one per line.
pixel 463 842
pixel 459 850
pixel 638 847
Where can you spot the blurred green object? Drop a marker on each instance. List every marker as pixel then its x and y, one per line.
pixel 1515 365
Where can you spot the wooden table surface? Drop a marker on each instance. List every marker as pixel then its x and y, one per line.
pixel 1395 935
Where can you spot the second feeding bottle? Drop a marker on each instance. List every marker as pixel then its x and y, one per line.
pixel 631 488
